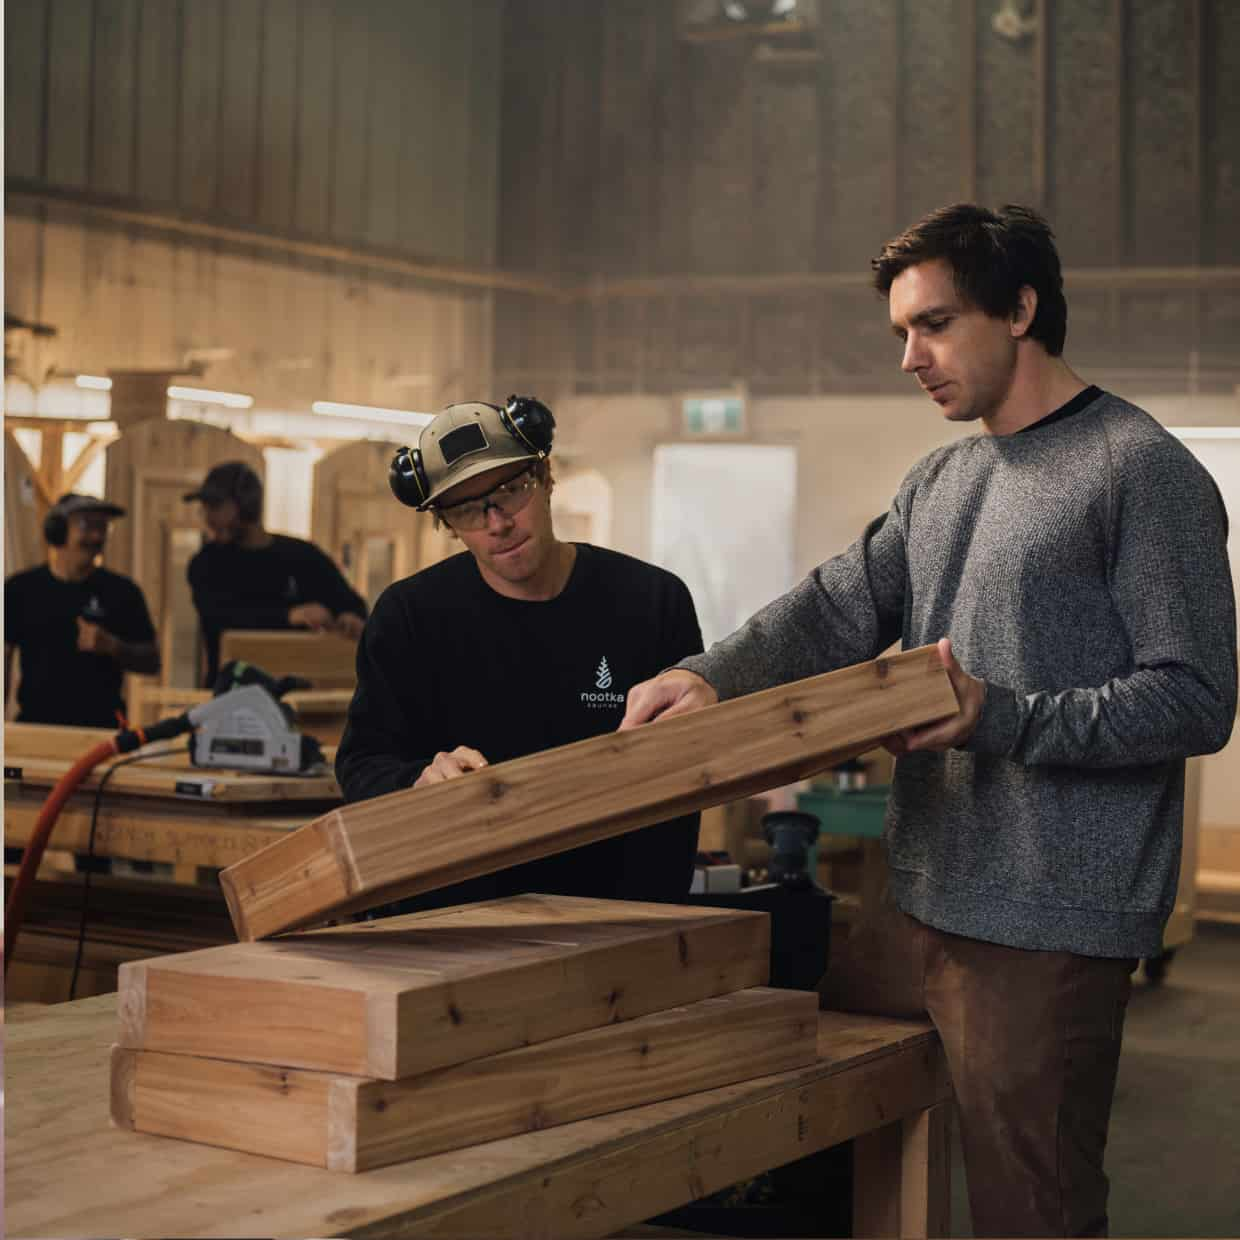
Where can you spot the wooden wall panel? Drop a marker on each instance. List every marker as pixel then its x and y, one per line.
pixel 382 133
pixel 69 69
pixel 482 119
pixel 354 83
pixel 279 66
pixel 316 85
pixel 934 61
pixel 866 92
pixel 721 178
pixel 443 228
pixel 25 70
pixel 113 114
pixel 1160 93
pixel 1222 134
pixel 158 102
pixel 784 232
pixel 243 29
pixel 625 172
pixel 1085 163
pixel 1005 115
pixel 202 39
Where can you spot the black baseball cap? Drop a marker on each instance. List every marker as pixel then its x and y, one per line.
pixel 72 503
pixel 233 480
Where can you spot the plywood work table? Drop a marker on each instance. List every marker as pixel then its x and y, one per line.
pixel 70 1174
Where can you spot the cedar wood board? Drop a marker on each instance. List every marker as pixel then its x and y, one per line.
pixel 403 995
pixel 347 1123
pixel 420 839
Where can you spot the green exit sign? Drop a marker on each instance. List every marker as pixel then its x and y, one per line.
pixel 713 415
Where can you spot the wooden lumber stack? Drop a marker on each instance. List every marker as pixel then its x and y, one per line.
pixel 419 839
pixel 355 1047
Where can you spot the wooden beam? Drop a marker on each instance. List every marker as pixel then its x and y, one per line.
pixel 346 1123
pixel 27 195
pixel 420 839
pixel 402 996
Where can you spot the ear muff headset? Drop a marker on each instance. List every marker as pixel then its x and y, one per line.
pixel 525 419
pixel 55 529
pixel 529 422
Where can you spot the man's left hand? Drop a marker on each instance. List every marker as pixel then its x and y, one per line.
pixel 95 640
pixel 947 733
pixel 349 624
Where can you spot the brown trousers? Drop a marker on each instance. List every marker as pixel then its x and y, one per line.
pixel 1032 1040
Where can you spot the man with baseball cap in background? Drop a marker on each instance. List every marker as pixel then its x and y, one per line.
pixel 77 627
pixel 520 643
pixel 246 578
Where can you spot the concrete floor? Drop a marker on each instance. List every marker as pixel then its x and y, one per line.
pixel 1174 1150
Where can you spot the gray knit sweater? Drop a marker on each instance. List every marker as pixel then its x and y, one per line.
pixel 1080 569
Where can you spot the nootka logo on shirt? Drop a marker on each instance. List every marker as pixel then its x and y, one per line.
pixel 602 700
pixel 290 590
pixel 93 609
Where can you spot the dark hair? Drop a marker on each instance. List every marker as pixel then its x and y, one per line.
pixel 993 255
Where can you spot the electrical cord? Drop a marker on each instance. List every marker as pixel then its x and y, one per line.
pixel 90 852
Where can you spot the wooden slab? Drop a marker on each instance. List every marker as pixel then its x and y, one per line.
pixel 327 660
pixel 403 995
pixel 420 839
pixel 347 1124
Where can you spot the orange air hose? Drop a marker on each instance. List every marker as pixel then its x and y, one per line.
pixel 37 844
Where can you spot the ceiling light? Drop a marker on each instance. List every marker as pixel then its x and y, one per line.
pixel 96 383
pixel 204 396
pixel 371 413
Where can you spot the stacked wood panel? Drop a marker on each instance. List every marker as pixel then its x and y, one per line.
pixel 355 1047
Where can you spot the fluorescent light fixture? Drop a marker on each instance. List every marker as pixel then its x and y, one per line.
pixel 96 383
pixel 1205 432
pixel 204 396
pixel 371 413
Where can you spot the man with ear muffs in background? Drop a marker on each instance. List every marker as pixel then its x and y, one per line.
pixel 77 627
pixel 520 643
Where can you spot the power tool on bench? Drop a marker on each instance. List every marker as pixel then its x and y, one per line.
pixel 246 727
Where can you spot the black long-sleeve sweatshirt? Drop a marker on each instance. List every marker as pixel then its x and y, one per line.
pixel 254 588
pixel 446 661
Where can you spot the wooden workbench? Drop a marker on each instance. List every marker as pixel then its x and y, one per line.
pixel 165 810
pixel 69 1174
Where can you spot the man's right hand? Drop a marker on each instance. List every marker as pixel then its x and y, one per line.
pixel 672 693
pixel 311 616
pixel 443 766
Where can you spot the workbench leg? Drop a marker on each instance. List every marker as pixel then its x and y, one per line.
pixel 902 1177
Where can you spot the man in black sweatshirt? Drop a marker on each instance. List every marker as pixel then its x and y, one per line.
pixel 245 578
pixel 1071 562
pixel 520 643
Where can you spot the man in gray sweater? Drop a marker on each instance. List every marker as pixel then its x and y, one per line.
pixel 1070 561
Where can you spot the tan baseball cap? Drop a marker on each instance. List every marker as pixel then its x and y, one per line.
pixel 466 440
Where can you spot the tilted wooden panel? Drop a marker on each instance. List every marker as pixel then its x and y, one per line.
pixel 349 1124
pixel 420 839
pixel 404 995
